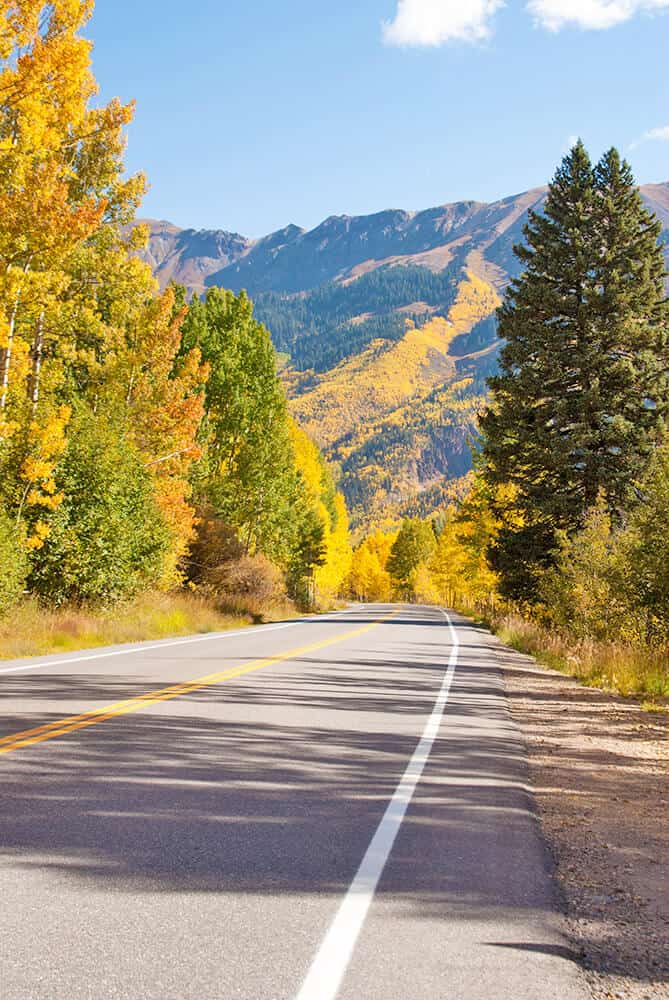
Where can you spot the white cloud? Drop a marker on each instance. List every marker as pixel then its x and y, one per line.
pixel 434 22
pixel 594 15
pixel 661 134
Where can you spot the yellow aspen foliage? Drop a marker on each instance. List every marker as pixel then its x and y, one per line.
pixel 386 376
pixel 165 404
pixel 448 564
pixel 60 175
pixel 45 445
pixel 331 576
pixel 458 567
pixel 369 577
pixel 424 586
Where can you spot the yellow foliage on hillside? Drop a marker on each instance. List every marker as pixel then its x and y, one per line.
pixel 385 376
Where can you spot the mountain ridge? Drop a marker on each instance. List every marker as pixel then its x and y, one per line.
pixel 294 259
pixel 383 366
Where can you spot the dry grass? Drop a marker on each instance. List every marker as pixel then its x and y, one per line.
pixel 631 670
pixel 32 630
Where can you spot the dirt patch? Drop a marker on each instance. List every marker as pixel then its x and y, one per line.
pixel 600 770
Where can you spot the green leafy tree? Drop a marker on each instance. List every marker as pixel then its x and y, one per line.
pixel 107 539
pixel 247 472
pixel 583 387
pixel 13 563
pixel 412 547
pixel 643 549
pixel 579 592
pixel 308 552
pixel 611 581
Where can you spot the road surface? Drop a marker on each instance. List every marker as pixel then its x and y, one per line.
pixel 335 807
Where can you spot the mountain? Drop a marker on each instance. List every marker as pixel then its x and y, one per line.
pixel 386 327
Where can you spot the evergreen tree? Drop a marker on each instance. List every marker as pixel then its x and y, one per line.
pixel 582 389
pixel 628 396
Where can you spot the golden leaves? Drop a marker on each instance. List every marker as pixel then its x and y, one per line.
pixel 45 443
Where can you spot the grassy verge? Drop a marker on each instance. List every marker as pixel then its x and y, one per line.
pixel 630 670
pixel 32 630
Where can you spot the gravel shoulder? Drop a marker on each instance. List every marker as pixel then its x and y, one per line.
pixel 600 770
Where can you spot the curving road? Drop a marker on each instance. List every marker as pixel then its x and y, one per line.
pixel 334 807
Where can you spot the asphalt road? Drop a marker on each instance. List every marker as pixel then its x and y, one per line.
pixel 337 807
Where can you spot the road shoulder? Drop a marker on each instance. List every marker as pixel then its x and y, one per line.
pixel 599 769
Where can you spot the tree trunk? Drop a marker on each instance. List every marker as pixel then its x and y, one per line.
pixel 6 355
pixel 37 353
pixel 6 363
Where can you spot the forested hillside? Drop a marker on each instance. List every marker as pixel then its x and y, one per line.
pixel 398 416
pixel 340 302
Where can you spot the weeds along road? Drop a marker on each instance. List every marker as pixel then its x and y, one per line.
pixel 335 807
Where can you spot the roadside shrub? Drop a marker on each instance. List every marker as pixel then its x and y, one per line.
pixel 13 564
pixel 107 540
pixel 582 591
pixel 215 546
pixel 632 669
pixel 239 582
pixel 249 585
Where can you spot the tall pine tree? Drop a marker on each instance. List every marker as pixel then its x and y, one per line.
pixel 582 390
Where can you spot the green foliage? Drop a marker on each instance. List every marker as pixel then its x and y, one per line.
pixel 13 564
pixel 174 405
pixel 259 478
pixel 308 552
pixel 107 539
pixel 413 546
pixel 247 472
pixel 321 327
pixel 645 546
pixel 612 581
pixel 519 554
pixel 579 591
pixel 583 388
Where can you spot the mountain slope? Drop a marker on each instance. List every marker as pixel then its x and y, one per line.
pixel 397 417
pixel 386 375
pixel 386 326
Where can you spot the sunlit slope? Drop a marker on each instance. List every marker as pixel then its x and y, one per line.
pixel 398 416
pixel 385 376
pixel 406 463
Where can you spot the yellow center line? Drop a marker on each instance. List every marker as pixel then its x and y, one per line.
pixel 15 741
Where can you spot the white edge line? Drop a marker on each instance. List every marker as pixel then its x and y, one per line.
pixel 329 966
pixel 165 644
pixel 146 648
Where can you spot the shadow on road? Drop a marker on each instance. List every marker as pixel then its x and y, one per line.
pixel 277 783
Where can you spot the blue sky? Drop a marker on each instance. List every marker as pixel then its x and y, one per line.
pixel 255 113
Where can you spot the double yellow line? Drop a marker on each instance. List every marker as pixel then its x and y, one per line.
pixel 61 727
